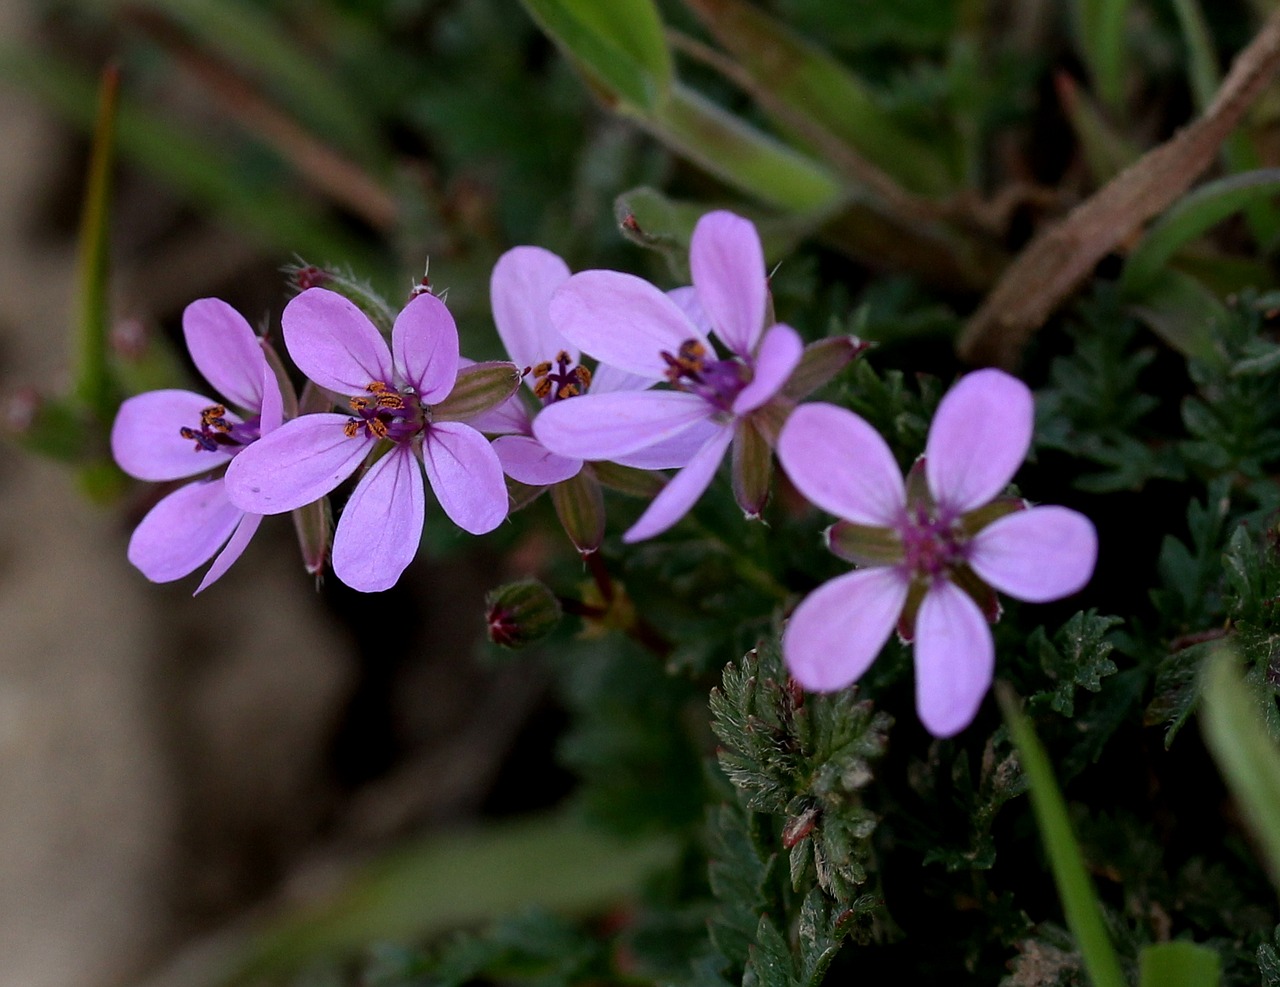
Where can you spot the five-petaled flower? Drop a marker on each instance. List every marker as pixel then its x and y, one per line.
pixel 933 548
pixel 406 402
pixel 174 434
pixel 627 323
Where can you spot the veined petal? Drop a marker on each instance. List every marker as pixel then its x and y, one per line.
pixel 978 439
pixel 1036 555
pixel 465 476
pixel 779 355
pixel 225 350
pixel 424 344
pixel 526 459
pixel 509 418
pixel 381 526
pixel 686 298
pixel 298 463
pixel 673 453
pixel 838 630
pixel 520 290
pixel 621 320
pixel 606 426
pixel 682 492
pixel 606 379
pixel 334 343
pixel 955 659
pixel 727 263
pixel 146 441
pixel 842 465
pixel 231 551
pixel 183 531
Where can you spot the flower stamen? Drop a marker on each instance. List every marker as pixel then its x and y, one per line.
pixel 557 381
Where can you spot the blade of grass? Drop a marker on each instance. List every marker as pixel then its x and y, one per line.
pixel 93 385
pixel 1178 964
pixel 1100 27
pixel 1250 763
pixel 1075 889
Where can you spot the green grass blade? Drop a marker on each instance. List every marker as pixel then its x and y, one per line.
pixel 1250 763
pixel 1075 889
pixel 1178 964
pixel 1100 26
pixel 447 881
pixel 1190 217
pixel 619 44
pixel 93 384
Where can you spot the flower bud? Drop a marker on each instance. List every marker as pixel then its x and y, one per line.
pixel 521 613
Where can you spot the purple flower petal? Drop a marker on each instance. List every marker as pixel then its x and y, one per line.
pixel 978 439
pixel 621 320
pixel 509 418
pixel 381 526
pixel 838 630
pixel 683 491
pixel 231 551
pixel 225 350
pixel 779 354
pixel 955 659
pixel 842 465
pixel 520 290
pixel 334 343
pixel 297 464
pixel 146 440
pixel 727 262
pixel 606 379
pixel 606 426
pixel 526 459
pixel 183 531
pixel 687 298
pixel 465 476
pixel 673 453
pixel 424 341
pixel 271 415
pixel 1037 555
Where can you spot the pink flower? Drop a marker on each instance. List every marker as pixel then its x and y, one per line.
pixel 933 548
pixel 394 397
pixel 174 434
pixel 626 322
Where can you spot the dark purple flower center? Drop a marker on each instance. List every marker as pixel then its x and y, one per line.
pixel 217 433
pixel 931 547
pixel 695 369
pixel 385 414
pixel 559 379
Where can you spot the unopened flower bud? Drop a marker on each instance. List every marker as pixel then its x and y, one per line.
pixel 521 613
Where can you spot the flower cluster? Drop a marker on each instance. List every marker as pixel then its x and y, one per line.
pixel 677 380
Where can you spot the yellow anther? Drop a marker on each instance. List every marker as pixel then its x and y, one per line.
pixel 378 427
pixel 352 428
pixel 542 369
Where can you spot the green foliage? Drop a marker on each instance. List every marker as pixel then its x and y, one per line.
pixel 1077 658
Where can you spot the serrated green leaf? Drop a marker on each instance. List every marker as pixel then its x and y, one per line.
pixel 619 44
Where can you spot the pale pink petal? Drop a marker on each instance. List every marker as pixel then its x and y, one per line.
pixel 271 415
pixel 838 630
pixel 978 439
pixel 682 492
pixel 231 551
pixel 1038 555
pixel 621 320
pixel 606 379
pixel 673 453
pixel 297 464
pixel 727 263
pixel 509 418
pixel 955 659
pixel 520 290
pixel 780 352
pixel 526 459
pixel 381 525
pixel 225 350
pixel 465 476
pixel 687 298
pixel 183 531
pixel 606 426
pixel 842 465
pixel 146 440
pixel 334 343
pixel 424 342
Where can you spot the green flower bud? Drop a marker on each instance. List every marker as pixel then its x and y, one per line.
pixel 521 613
